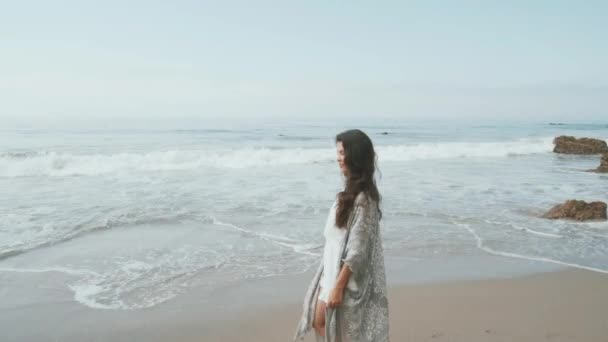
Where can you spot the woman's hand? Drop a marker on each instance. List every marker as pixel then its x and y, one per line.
pixel 337 293
pixel 335 297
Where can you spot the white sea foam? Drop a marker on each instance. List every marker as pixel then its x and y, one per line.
pixel 130 284
pixel 524 229
pixel 60 269
pixel 531 231
pixel 442 150
pixel 480 245
pixel 296 246
pixel 24 238
pixel 65 164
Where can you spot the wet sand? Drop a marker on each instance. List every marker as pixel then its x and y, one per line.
pixel 564 305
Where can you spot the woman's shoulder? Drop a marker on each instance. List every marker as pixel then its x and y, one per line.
pixel 363 199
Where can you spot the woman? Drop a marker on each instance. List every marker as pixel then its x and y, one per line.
pixel 347 299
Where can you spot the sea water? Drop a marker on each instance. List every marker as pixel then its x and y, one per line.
pixel 134 217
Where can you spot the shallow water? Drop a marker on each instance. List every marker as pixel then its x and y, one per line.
pixel 133 218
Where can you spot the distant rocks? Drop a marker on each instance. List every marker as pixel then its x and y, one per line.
pixel 578 210
pixel 572 145
pixel 575 209
pixel 603 168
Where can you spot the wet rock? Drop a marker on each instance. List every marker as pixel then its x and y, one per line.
pixel 603 168
pixel 578 210
pixel 572 145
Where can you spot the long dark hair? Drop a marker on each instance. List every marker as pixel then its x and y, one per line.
pixel 360 159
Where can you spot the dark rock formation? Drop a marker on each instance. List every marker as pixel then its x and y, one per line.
pixel 603 168
pixel 572 145
pixel 578 210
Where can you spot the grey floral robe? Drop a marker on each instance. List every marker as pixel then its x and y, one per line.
pixel 363 314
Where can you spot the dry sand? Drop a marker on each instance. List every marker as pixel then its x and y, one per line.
pixel 570 305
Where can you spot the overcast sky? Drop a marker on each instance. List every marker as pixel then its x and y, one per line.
pixel 62 61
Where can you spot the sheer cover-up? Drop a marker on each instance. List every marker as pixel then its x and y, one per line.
pixel 363 314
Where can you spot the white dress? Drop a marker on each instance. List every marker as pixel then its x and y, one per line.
pixel 363 314
pixel 334 237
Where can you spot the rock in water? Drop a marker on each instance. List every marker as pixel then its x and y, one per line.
pixel 578 210
pixel 572 145
pixel 603 168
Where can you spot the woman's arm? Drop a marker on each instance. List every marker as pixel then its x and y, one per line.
pixel 357 251
pixel 337 294
pixel 343 277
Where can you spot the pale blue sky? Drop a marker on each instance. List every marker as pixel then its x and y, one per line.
pixel 81 60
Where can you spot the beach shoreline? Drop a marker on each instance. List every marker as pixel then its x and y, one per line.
pixel 559 305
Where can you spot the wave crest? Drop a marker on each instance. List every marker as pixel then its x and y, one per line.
pixel 26 164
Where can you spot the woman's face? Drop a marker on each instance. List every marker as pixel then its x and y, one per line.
pixel 340 157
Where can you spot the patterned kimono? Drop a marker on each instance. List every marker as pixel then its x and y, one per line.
pixel 363 314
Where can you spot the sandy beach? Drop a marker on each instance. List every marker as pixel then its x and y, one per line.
pixel 565 304
pixel 570 305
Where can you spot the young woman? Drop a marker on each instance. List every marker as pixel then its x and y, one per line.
pixel 347 299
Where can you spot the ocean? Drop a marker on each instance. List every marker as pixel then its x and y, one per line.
pixel 132 218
